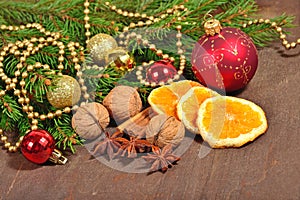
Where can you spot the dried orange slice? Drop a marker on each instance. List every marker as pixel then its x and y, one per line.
pixel 164 99
pixel 189 104
pixel 230 121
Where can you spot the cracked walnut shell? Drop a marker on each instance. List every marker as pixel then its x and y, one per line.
pixel 163 130
pixel 123 102
pixel 90 120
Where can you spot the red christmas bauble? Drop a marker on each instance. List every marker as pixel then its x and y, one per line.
pixel 225 61
pixel 160 71
pixel 37 146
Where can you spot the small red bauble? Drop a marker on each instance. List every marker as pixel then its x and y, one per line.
pixel 225 61
pixel 37 146
pixel 160 71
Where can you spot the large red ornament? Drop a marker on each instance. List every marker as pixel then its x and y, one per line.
pixel 226 60
pixel 160 71
pixel 37 146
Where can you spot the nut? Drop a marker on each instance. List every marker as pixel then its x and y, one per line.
pixel 123 102
pixel 163 130
pixel 90 120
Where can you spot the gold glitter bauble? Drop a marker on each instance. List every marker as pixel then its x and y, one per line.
pixel 100 45
pixel 66 92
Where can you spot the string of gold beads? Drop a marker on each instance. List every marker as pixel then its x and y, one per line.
pixel 288 45
pixel 22 50
pixel 148 20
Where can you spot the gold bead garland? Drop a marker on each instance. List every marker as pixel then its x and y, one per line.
pixel 22 50
pixel 124 40
pixel 282 36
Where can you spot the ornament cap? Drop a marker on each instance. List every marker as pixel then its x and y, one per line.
pixel 212 27
pixel 57 157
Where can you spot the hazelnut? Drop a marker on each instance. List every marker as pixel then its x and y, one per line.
pixel 90 120
pixel 123 102
pixel 163 130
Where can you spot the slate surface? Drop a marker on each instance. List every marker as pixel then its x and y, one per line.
pixel 265 169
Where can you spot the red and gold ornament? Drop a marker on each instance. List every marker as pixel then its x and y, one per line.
pixel 224 58
pixel 160 71
pixel 38 146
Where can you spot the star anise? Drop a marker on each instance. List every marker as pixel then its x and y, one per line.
pixel 161 159
pixel 109 145
pixel 132 147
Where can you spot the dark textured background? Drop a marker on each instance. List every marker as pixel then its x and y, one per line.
pixel 265 169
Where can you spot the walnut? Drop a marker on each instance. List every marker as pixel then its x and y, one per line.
pixel 163 130
pixel 123 102
pixel 90 120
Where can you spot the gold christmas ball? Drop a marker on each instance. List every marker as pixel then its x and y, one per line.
pixel 99 46
pixel 65 92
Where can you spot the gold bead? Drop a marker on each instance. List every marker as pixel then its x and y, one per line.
pixel 30 108
pixel 30 115
pixel 7 145
pixel 36 114
pixel 86 96
pixel 285 42
pixel 87 4
pixel 22 83
pixel 67 109
pixel 293 44
pixel 86 18
pixel 267 21
pixel 21 138
pixel 159 52
pixel 24 75
pixel 75 107
pixel 38 65
pixel 21 100
pixel 165 56
pixel 3 138
pixel 287 46
pixel 8 81
pixel 12 85
pixel 86 11
pixel 12 149
pixel 87 33
pixel 140 23
pixel 61 58
pixel 132 25
pixel 17 53
pixel 43 117
pixel 75 60
pixel 50 115
pixel 18 144
pixel 274 24
pixel 17 92
pixel 25 108
pixel 84 88
pixel 298 41
pixel 2 93
pixel 87 26
pixel 60 67
pixel 279 29
pixel 25 92
pixel 34 121
pixel 58 113
pixel 30 68
pixel 34 127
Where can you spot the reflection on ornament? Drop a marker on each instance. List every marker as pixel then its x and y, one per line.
pixel 99 46
pixel 226 61
pixel 66 92
pixel 37 146
pixel 160 71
